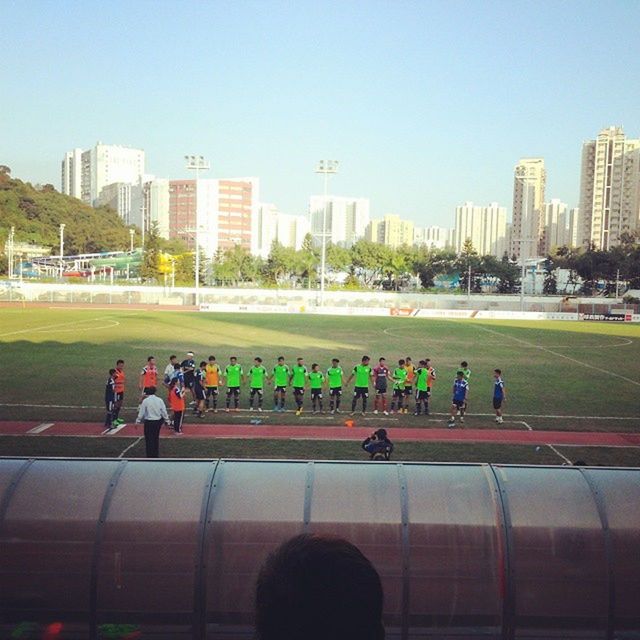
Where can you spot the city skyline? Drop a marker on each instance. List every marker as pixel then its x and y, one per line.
pixel 425 106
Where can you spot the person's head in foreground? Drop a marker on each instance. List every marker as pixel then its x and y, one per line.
pixel 318 588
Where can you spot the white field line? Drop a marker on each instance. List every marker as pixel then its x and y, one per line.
pixel 559 454
pixel 624 342
pixel 560 355
pixel 527 425
pixel 133 444
pixel 48 327
pixel 41 427
pixel 114 323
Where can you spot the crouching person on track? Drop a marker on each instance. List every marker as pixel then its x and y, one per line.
pixel 378 445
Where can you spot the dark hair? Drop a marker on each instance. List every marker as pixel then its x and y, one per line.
pixel 464 363
pixel 314 365
pixel 365 358
pixel 150 358
pixel 408 359
pixel 233 358
pixel 381 433
pixel 111 371
pixel 381 359
pixel 212 357
pixel 298 359
pixel 401 362
pixel 172 357
pixel 119 362
pixel 258 359
pixel 177 366
pixel 335 360
pixel 280 357
pixel 318 588
pixel 423 363
pixel 151 391
pixel 203 363
pixel 498 371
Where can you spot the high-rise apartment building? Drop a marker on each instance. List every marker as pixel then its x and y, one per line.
pixel 609 188
pixel 391 231
pixel 556 223
pixel 272 224
pixel 485 227
pixel 573 225
pixel 71 173
pixel 107 164
pixel 222 213
pixel 527 231
pixel 432 237
pixel 346 219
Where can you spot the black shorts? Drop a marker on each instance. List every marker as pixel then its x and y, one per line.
pixel 211 391
pixel 422 395
pixel 335 391
pixel 299 391
pixel 380 391
pixel 316 393
pixel 199 392
pixel 408 391
pixel 497 403
pixel 280 389
pixel 398 393
pixel 233 391
pixel 460 404
pixel 255 390
pixel 361 392
pixel 189 382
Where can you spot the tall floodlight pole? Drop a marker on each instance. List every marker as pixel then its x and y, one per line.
pixel 10 247
pixel 326 167
pixel 62 226
pixel 197 164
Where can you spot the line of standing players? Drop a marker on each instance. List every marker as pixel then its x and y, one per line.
pixel 203 382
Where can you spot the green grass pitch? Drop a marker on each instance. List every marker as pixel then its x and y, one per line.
pixel 559 375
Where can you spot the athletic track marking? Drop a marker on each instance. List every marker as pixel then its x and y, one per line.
pixel 560 355
pixel 356 433
pixel 244 413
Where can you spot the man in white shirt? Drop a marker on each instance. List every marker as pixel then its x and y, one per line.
pixel 169 371
pixel 153 413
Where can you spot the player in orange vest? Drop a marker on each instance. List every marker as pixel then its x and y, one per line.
pixel 148 377
pixel 176 404
pixel 119 380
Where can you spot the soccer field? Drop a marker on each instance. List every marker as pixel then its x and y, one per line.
pixel 559 375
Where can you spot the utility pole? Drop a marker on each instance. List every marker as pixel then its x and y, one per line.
pixel 62 226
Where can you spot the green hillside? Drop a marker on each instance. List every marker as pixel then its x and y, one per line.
pixel 36 214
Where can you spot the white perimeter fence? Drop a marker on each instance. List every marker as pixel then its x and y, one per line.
pixel 361 303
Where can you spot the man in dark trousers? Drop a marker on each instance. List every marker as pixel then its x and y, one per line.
pixel 153 413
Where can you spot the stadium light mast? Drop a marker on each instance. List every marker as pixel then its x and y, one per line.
pixel 10 249
pixel 62 226
pixel 197 164
pixel 326 167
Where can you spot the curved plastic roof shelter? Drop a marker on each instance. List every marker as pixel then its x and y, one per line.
pixel 171 548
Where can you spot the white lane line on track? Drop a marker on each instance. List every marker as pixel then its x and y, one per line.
pixel 130 446
pixel 559 355
pixel 526 424
pixel 112 432
pixel 41 427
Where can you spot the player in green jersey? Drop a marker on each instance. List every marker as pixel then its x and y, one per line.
pixel 362 373
pixel 281 373
pixel 298 379
pixel 257 375
pixel 422 388
pixel 334 376
pixel 235 376
pixel 399 378
pixel 316 380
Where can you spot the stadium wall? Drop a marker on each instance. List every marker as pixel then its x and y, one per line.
pixel 335 302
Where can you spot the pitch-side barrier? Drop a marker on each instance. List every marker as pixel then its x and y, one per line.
pixel 408 312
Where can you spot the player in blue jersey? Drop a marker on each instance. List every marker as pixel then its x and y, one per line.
pixel 499 394
pixel 459 401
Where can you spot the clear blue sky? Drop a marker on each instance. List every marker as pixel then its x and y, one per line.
pixel 425 104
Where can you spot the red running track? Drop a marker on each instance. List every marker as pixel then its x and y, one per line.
pixel 315 432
